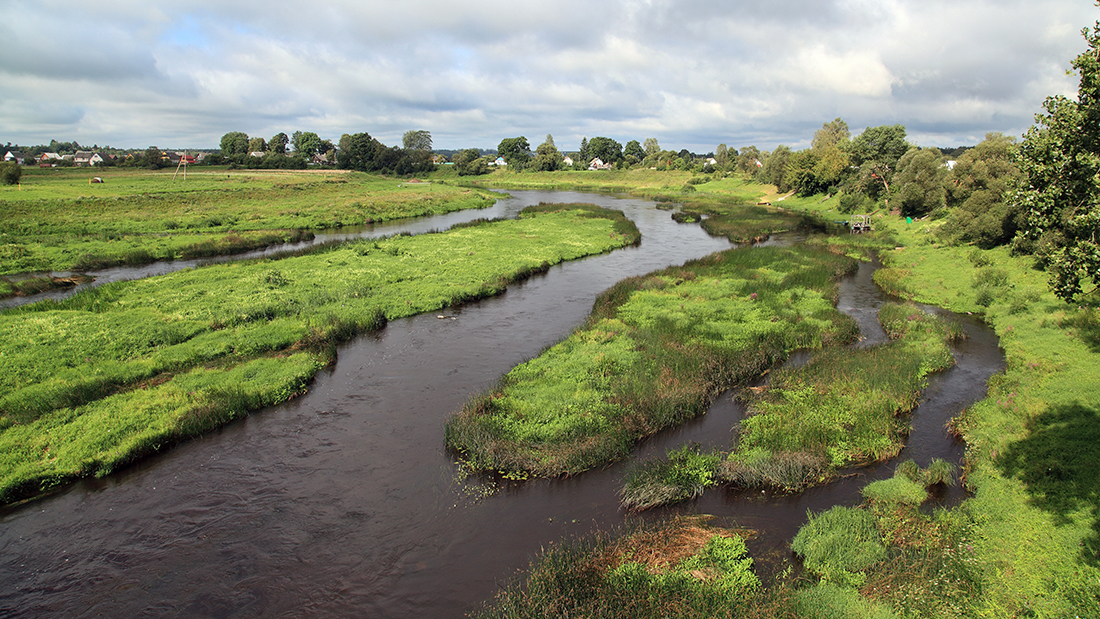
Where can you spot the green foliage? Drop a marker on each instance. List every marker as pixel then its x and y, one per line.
pixel 653 353
pixel 919 182
pixel 515 151
pixel 234 143
pixel 10 172
pixel 898 489
pixel 60 360
pixel 838 544
pixel 678 569
pixel 844 406
pixel 684 474
pixel 830 601
pixel 977 193
pixel 1060 160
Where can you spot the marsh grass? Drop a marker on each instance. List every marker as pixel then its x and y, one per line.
pixel 63 363
pixel 682 475
pixel 654 352
pixel 681 568
pixel 844 407
pixel 751 224
pixel 840 543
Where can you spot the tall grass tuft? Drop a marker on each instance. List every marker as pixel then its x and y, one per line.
pixel 682 568
pixel 839 543
pixel 683 474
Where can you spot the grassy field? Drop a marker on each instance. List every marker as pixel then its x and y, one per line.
pixel 55 220
pixel 105 377
pixel 654 352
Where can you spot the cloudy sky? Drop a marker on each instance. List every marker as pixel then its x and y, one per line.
pixel 693 74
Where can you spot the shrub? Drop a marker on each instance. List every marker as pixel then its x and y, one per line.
pixel 10 172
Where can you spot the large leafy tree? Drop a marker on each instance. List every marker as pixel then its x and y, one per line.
pixel 234 143
pixel 977 192
pixel 920 181
pixel 1060 196
pixel 876 152
pixel 306 143
pixel 516 151
pixel 608 150
pixel 547 156
pixel 417 140
pixel 277 143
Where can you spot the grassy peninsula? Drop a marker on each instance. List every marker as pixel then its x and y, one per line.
pixel 93 382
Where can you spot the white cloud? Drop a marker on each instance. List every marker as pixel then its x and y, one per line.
pixel 688 72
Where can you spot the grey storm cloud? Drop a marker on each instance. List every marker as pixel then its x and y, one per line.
pixel 691 73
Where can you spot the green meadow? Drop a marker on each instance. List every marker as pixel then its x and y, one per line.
pixel 654 352
pixel 93 382
pixel 56 220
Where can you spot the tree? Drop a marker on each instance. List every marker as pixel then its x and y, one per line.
pixel 469 162
pixel 633 148
pixel 277 143
pixel 876 152
pixel 257 145
pixel 547 156
pixel 306 144
pixel 417 140
pixel 831 134
pixel 10 172
pixel 976 193
pixel 234 143
pixel 516 151
pixel 774 170
pixel 583 153
pixel 919 181
pixel 1060 193
pixel 608 150
pixel 651 146
pixel 358 152
pixel 748 160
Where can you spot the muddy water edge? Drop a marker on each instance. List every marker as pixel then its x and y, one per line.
pixel 344 503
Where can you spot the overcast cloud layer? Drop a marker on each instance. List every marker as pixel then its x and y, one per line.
pixel 693 74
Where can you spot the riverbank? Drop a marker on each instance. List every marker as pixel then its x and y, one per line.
pixel 97 381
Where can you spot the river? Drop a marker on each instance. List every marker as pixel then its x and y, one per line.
pixel 343 502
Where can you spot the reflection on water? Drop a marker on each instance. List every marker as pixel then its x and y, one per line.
pixel 344 502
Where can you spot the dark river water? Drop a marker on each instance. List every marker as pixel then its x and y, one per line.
pixel 344 503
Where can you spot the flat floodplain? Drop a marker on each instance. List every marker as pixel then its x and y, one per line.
pixel 58 220
pixel 100 379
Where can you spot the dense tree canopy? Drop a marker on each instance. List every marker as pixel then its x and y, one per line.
pixel 234 143
pixel 306 144
pixel 608 150
pixel 277 143
pixel 547 156
pixel 919 181
pixel 1060 196
pixel 977 192
pixel 417 140
pixel 516 151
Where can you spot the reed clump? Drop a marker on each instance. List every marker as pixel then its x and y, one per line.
pixel 681 568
